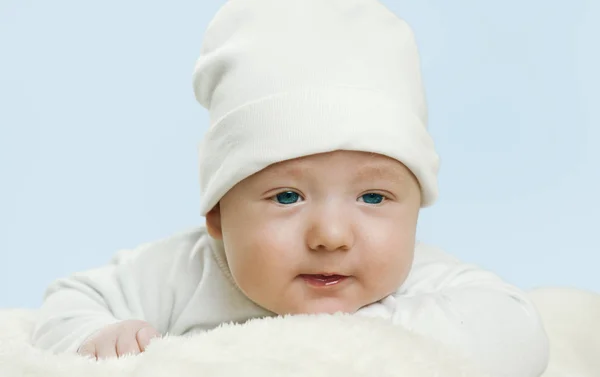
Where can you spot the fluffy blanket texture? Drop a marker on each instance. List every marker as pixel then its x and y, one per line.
pixel 572 320
pixel 309 346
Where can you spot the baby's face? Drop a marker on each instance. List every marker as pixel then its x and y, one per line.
pixel 320 234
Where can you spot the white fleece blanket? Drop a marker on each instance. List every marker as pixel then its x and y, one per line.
pixel 314 346
pixel 572 320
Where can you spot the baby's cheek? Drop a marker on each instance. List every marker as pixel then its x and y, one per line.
pixel 387 272
pixel 256 266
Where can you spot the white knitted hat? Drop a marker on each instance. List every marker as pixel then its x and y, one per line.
pixel 289 78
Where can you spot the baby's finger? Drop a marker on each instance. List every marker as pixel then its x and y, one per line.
pixel 145 335
pixel 88 349
pixel 106 349
pixel 127 344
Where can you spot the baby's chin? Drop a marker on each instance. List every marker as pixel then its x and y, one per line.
pixel 324 306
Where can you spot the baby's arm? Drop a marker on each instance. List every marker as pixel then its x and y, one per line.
pixel 139 285
pixel 473 310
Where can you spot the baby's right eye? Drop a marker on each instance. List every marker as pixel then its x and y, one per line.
pixel 287 197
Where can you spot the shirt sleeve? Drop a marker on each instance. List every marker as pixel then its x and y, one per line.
pixel 145 283
pixel 473 311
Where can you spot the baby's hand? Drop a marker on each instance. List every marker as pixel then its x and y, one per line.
pixel 127 337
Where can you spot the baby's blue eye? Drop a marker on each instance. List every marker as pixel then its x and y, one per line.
pixel 372 198
pixel 288 197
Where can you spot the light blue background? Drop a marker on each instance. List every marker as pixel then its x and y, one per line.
pixel 99 132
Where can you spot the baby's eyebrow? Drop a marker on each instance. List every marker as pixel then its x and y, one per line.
pixel 296 171
pixel 377 171
pixel 365 172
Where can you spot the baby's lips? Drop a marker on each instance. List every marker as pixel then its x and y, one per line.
pixel 324 273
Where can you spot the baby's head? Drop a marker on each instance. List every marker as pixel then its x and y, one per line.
pixel 317 159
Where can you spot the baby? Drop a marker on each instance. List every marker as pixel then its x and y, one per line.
pixel 313 172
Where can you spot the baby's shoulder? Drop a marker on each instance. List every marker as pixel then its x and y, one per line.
pixel 432 269
pixel 182 246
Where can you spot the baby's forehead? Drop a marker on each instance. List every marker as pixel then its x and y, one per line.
pixel 363 165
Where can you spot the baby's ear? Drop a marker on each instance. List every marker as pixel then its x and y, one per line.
pixel 213 222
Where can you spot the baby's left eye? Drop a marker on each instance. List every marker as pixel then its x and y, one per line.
pixel 372 198
pixel 287 197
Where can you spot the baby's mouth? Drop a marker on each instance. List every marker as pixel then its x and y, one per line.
pixel 323 280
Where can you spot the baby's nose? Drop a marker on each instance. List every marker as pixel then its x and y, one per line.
pixel 330 230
